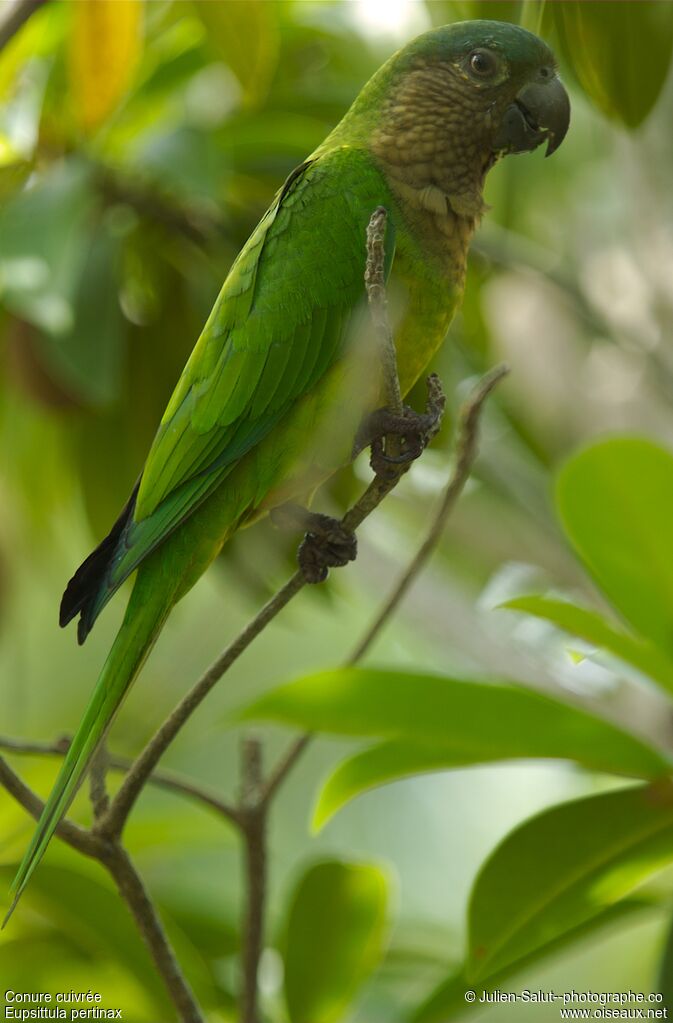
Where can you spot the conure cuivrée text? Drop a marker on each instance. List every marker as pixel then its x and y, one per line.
pixel 285 370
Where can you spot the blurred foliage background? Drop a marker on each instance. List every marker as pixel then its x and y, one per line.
pixel 139 144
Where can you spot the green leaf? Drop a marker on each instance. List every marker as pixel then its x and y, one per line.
pixel 615 501
pixel 246 37
pixel 619 52
pixel 345 904
pixel 563 868
pixel 395 759
pixel 448 998
pixel 593 628
pixel 434 722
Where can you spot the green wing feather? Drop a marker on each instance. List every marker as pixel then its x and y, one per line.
pixel 277 326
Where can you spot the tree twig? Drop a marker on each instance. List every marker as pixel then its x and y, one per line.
pixel 133 892
pixel 166 780
pixel 278 776
pixel 254 823
pixel 17 14
pixel 98 793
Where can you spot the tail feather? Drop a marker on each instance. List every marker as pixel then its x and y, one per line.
pixel 89 590
pixel 144 619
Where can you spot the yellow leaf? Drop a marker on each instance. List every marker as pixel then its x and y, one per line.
pixel 105 47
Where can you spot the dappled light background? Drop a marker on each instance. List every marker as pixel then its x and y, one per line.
pixel 130 175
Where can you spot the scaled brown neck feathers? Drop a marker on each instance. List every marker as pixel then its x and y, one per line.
pixel 432 143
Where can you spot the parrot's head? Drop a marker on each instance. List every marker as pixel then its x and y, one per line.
pixel 457 98
pixel 503 82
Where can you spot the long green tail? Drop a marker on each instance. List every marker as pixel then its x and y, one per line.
pixel 145 615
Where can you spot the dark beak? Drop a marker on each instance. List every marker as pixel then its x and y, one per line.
pixel 540 112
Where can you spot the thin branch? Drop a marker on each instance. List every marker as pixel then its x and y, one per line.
pixel 278 776
pixel 159 779
pixel 254 827
pixel 98 793
pixel 251 771
pixel 135 895
pixel 17 15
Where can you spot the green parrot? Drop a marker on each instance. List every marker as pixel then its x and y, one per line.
pixel 285 369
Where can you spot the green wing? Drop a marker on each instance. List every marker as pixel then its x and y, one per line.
pixel 278 324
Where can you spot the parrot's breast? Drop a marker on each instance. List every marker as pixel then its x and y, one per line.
pixel 428 277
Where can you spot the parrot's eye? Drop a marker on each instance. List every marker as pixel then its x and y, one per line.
pixel 483 63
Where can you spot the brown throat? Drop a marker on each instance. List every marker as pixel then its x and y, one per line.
pixel 433 143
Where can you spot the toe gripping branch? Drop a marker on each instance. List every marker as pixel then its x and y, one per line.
pixel 396 440
pixel 326 544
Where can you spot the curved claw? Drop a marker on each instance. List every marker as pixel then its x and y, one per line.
pixel 326 545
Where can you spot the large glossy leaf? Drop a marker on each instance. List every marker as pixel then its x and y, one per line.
pixel 593 628
pixel 448 998
pixel 615 499
pixel 335 937
pixel 563 868
pixel 105 46
pixel 395 759
pixel 619 52
pixel 433 722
